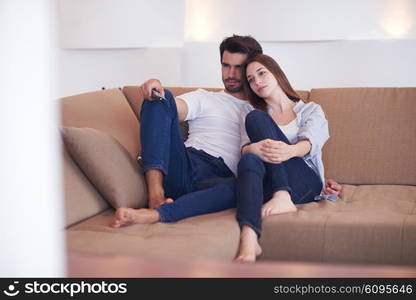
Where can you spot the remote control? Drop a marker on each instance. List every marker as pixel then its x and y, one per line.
pixel 156 95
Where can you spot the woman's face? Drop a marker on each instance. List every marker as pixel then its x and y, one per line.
pixel 261 80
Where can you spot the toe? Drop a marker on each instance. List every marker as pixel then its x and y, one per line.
pixel 267 212
pixel 115 224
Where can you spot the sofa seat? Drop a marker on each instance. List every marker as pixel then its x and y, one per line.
pixel 370 223
pixel 322 231
pixel 211 237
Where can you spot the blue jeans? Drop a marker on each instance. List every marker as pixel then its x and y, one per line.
pixel 257 181
pixel 199 182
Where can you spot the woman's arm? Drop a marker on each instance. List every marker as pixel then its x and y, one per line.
pixel 276 151
pixel 314 127
pixel 313 133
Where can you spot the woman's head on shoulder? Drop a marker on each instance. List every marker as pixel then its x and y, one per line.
pixel 262 77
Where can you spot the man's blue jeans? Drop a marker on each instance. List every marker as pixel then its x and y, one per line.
pixel 258 180
pixel 200 183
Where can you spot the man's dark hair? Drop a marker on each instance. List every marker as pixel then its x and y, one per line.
pixel 241 44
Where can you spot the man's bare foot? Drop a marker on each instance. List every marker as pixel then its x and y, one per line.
pixel 281 203
pixel 128 216
pixel 249 247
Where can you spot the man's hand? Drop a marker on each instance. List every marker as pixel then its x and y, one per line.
pixel 332 187
pixel 147 87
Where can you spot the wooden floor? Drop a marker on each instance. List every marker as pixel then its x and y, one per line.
pixel 88 265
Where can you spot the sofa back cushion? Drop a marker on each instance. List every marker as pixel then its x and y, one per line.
pixel 373 134
pixel 105 110
pixel 135 97
pixel 82 200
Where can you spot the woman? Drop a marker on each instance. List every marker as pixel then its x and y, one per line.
pixel 281 163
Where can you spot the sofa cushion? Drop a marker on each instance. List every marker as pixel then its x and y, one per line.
pixel 373 134
pixel 81 198
pixel 211 236
pixel 369 224
pixel 112 170
pixel 105 110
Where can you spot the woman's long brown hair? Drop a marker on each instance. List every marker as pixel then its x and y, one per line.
pixel 277 72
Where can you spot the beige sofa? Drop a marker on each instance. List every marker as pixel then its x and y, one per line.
pixel 371 152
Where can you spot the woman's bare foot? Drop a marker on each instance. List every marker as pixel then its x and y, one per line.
pixel 281 203
pixel 128 216
pixel 249 247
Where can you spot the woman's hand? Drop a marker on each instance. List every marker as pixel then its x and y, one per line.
pixel 271 151
pixel 254 148
pixel 277 151
pixel 332 187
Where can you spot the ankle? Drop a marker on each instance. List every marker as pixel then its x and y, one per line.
pixel 156 193
pixel 248 233
pixel 281 194
pixel 154 180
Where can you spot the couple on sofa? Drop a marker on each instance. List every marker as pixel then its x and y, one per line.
pixel 277 136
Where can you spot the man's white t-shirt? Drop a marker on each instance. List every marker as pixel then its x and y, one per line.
pixel 214 124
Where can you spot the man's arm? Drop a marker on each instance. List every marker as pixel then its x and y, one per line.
pixel 182 108
pixel 147 87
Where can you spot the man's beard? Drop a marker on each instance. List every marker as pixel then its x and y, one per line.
pixel 233 89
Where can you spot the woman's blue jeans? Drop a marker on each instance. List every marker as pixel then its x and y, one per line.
pixel 257 180
pixel 199 182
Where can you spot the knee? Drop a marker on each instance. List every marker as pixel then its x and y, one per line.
pixel 251 162
pixel 170 99
pixel 256 117
pixel 169 105
pixel 169 96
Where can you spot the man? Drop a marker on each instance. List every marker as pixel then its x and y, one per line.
pixel 199 174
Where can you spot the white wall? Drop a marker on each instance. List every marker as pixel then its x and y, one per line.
pixel 385 63
pixel 112 43
pixel 301 20
pixel 31 214
pixel 320 43
pixel 88 70
pixel 307 64
pixel 121 23
pixel 317 64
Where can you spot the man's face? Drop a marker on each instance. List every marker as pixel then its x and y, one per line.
pixel 232 65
